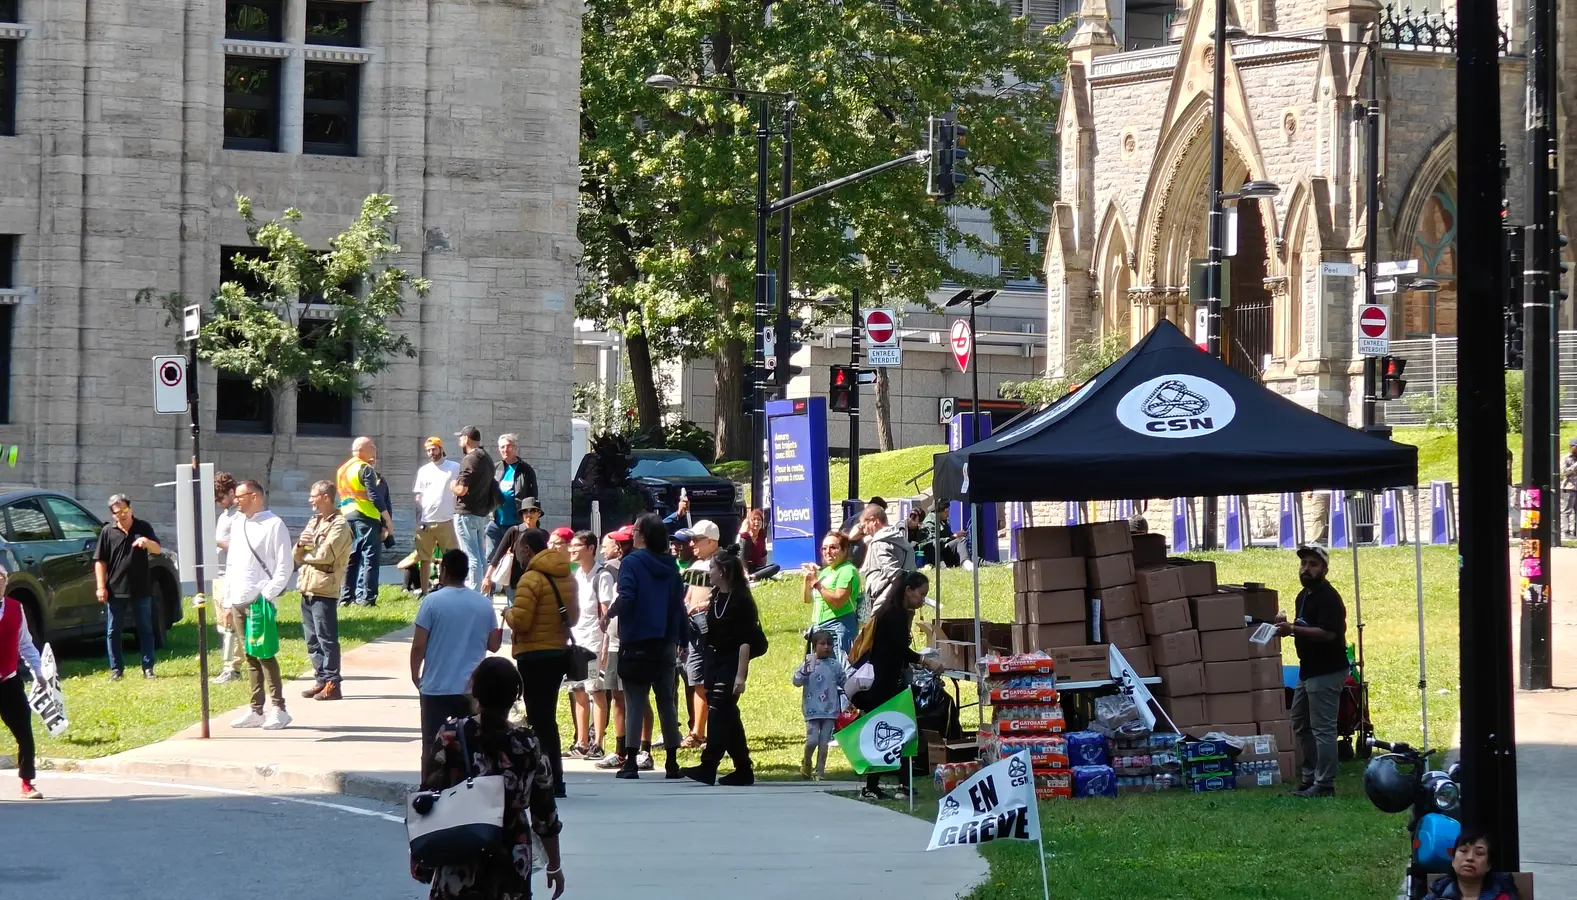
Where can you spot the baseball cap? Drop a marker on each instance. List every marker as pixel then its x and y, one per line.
pixel 435 441
pixel 529 503
pixel 622 534
pixel 564 532
pixel 1316 551
pixel 470 431
pixel 706 528
pixel 683 534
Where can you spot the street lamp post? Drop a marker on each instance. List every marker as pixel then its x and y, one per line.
pixel 753 383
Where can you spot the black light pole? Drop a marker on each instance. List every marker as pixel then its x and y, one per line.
pixel 1538 398
pixel 755 380
pixel 1489 774
pixel 975 301
pixel 1371 241
pixel 784 329
pixel 200 576
pixel 855 334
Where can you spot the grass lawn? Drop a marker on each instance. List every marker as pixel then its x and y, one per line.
pixel 1437 450
pixel 108 717
pixel 887 474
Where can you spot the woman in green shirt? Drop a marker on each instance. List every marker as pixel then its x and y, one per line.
pixel 834 589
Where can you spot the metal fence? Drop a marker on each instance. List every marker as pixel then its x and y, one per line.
pixel 1432 366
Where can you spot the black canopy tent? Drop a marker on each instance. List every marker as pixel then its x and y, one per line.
pixel 1167 420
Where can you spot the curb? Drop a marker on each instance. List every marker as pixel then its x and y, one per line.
pixel 350 784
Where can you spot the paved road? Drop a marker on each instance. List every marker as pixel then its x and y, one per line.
pixel 146 839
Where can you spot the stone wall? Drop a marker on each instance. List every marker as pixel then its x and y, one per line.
pixel 117 180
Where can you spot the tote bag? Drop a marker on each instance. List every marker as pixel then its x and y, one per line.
pixel 262 631
pixel 460 824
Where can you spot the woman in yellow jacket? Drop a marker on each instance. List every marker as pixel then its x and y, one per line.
pixel 539 618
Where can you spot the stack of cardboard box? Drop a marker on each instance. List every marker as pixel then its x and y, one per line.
pixel 1049 604
pixel 1074 593
pixel 1174 644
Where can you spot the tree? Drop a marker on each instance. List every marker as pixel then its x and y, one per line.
pixel 304 317
pixel 1085 360
pixel 668 178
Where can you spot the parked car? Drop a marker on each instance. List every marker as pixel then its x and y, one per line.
pixel 656 478
pixel 47 542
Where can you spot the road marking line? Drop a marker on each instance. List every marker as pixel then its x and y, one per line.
pixel 354 810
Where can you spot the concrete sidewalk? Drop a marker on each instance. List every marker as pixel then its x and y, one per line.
pixel 1547 747
pixel 774 840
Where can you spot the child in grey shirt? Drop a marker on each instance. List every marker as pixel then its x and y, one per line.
pixel 821 679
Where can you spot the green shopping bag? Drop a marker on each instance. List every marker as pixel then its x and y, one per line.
pixel 262 631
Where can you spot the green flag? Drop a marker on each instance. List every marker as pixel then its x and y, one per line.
pixel 876 741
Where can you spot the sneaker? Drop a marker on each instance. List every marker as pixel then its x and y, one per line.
pixel 147 673
pixel 330 692
pixel 277 719
pixel 29 792
pixel 576 751
pixel 225 677
pixel 116 675
pixel 595 753
pixel 312 692
pixel 870 793
pixel 643 761
pixel 252 719
pixel 610 761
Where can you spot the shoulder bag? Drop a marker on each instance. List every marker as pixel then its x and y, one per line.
pixel 580 658
pixel 460 824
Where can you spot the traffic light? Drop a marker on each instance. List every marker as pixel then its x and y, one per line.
pixel 951 158
pixel 841 388
pixel 785 349
pixel 1513 301
pixel 1391 382
pixel 1558 286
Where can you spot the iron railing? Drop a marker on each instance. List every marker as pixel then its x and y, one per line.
pixel 1431 377
pixel 1425 30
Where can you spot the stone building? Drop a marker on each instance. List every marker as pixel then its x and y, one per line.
pixel 1135 135
pixel 127 127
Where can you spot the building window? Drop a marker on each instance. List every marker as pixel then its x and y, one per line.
pixel 251 103
pixel 1435 247
pixel 335 24
pixel 8 54
pixel 255 20
pixel 238 406
pixel 321 413
pixel 332 97
pixel 7 317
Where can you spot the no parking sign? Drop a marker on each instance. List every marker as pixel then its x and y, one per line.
pixel 169 385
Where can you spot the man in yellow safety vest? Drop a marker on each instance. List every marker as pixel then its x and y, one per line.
pixel 353 484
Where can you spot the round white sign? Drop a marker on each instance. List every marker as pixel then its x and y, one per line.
pixel 882 738
pixel 1176 406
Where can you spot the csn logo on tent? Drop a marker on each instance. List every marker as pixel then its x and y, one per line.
pixel 1176 406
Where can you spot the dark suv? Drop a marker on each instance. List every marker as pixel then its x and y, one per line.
pixel 656 478
pixel 47 541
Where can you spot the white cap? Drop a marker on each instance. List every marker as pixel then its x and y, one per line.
pixel 708 529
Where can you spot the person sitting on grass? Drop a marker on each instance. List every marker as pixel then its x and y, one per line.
pixel 1470 877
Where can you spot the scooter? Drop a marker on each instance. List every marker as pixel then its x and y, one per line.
pixel 1401 780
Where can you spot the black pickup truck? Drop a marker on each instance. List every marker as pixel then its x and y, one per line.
pixel 656 478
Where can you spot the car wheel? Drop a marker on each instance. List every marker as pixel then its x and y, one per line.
pixel 163 615
pixel 30 613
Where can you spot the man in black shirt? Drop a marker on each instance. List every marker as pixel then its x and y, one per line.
pixel 474 503
pixel 121 566
pixel 1319 632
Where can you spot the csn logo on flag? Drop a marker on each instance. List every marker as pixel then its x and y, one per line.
pixel 995 804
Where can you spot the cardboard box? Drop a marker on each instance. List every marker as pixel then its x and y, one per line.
pixel 1175 649
pixel 1264 674
pixel 1236 729
pixel 1149 549
pixel 956 629
pixel 1140 659
pixel 1125 633
pixel 1218 612
pixel 1227 677
pixel 1231 708
pixel 1052 607
pixel 1184 680
pixel 1289 766
pixel 1199 575
pixel 1045 542
pixel 1049 575
pixel 1159 583
pixel 1260 746
pixel 1081 662
pixel 1028 638
pixel 1118 602
pixel 1187 713
pixel 1102 539
pixel 1281 730
pixel 995 636
pixel 1259 603
pixel 1270 705
pixel 1110 571
pixel 959 655
pixel 1224 646
pixel 1166 617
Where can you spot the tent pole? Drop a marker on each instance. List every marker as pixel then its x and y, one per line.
pixel 936 564
pixel 1418 579
pixel 974 552
pixel 1357 593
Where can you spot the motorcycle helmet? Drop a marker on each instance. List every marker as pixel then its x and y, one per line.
pixel 1387 786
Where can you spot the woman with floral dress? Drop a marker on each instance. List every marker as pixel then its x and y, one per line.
pixel 498 747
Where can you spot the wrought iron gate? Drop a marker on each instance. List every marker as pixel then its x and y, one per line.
pixel 1249 334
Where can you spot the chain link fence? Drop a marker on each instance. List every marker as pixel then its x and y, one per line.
pixel 1432 378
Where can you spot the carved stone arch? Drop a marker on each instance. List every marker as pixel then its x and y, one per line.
pixel 1439 165
pixel 1300 260
pixel 1114 273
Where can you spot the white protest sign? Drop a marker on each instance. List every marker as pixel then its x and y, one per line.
pixel 995 804
pixel 1128 682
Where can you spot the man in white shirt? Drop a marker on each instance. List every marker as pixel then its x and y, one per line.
pixel 259 565
pixel 229 514
pixel 434 492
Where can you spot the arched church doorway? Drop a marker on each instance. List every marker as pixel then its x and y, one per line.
pixel 1248 330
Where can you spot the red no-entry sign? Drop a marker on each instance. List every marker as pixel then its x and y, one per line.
pixel 1373 321
pixel 880 328
pixel 962 341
